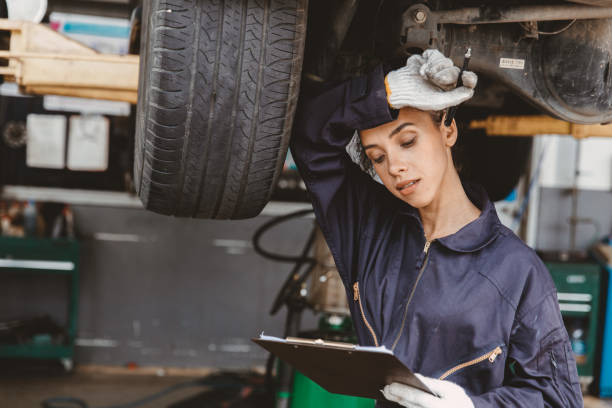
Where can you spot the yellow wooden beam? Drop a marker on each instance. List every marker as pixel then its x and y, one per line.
pixel 42 61
pixel 538 125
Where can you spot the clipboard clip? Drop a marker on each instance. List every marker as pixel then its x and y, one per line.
pixel 321 342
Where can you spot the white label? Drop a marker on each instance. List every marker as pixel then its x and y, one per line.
pixel 46 141
pixel 104 34
pixel 575 279
pixel 88 143
pixel 512 63
pixel 85 106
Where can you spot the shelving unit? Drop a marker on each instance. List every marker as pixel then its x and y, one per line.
pixel 50 257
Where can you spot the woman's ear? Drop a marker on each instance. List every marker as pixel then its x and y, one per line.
pixel 449 133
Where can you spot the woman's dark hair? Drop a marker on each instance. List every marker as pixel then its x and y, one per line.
pixel 436 117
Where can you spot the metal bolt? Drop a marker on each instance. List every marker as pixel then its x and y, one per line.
pixel 420 16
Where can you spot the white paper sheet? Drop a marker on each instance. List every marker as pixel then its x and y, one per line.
pixel 46 141
pixel 88 143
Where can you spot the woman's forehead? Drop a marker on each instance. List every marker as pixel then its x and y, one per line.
pixel 407 117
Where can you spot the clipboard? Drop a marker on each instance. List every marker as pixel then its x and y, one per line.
pixel 342 368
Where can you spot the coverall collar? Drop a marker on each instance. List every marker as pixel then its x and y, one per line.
pixel 475 235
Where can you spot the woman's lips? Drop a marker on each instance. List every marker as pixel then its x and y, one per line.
pixel 407 187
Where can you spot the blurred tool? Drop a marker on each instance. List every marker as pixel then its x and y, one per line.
pixel 453 109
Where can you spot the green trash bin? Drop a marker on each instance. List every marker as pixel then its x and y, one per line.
pixel 308 394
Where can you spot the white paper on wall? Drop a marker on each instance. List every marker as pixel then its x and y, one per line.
pixel 88 143
pixel 46 141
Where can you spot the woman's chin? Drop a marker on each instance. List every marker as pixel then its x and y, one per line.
pixel 414 200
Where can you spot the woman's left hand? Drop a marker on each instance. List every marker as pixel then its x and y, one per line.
pixel 450 395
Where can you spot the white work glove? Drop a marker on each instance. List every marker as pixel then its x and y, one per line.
pixel 450 395
pixel 427 82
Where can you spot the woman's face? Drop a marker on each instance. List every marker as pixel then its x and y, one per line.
pixel 411 155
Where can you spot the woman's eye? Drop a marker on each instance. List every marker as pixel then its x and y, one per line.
pixel 408 143
pixel 378 159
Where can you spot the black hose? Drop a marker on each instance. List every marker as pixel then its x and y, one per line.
pixel 293 279
pixel 269 378
pixel 265 227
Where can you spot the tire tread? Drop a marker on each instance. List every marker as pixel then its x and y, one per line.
pixel 220 86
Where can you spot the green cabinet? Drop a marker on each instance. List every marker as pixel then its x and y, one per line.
pixel 578 290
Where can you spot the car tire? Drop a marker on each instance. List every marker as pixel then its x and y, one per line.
pixel 219 82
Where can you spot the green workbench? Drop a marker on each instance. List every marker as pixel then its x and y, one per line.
pixel 57 257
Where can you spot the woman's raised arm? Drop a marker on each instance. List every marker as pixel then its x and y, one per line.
pixel 340 191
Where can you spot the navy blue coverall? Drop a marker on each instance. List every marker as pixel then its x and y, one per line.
pixel 477 307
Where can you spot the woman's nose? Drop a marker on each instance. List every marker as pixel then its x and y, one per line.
pixel 396 166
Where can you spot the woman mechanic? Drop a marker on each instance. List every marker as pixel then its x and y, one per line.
pixel 430 271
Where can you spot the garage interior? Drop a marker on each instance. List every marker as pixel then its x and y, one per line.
pixel 104 303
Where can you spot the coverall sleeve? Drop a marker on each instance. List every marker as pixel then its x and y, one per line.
pixel 542 370
pixel 340 191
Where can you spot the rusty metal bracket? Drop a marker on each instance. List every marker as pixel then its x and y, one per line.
pixel 517 14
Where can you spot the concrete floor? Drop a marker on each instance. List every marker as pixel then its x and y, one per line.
pixel 19 391
pixel 592 402
pixel 97 390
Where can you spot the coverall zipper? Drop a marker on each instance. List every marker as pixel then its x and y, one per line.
pixel 357 297
pixel 491 355
pixel 399 335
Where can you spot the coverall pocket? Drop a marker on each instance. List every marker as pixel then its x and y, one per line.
pixel 553 358
pixel 487 356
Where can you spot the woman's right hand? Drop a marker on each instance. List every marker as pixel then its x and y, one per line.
pixel 427 82
pixel 448 394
